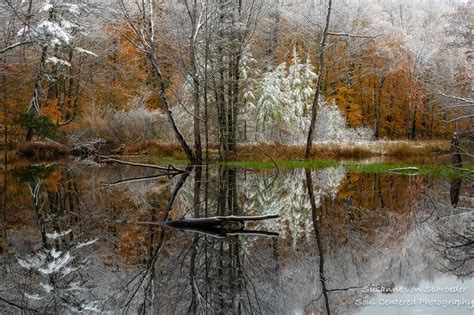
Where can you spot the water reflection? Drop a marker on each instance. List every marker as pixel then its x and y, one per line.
pixel 96 238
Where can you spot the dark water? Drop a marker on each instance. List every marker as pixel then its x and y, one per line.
pixel 75 238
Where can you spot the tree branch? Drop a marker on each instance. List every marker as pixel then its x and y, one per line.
pixel 15 45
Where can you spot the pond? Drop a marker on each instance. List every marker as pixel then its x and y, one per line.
pixel 82 237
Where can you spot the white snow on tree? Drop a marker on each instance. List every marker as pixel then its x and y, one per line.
pixel 248 74
pixel 301 78
pixel 331 125
pixel 279 108
pixel 271 105
pixel 57 28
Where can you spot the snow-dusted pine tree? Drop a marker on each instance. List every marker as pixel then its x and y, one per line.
pixel 278 107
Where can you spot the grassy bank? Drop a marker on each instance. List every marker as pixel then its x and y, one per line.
pixel 396 150
pixel 436 170
pixel 321 150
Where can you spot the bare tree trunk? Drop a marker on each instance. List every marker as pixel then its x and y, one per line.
pixel 35 103
pixel 315 107
pixel 159 77
pixel 196 85
pixel 235 91
pixel 220 93
pixel 145 36
pixel 378 107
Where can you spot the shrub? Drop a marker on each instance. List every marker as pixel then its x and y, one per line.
pixel 42 125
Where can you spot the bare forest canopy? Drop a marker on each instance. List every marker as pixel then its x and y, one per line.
pixel 224 72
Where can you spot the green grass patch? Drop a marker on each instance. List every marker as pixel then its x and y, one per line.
pixel 435 170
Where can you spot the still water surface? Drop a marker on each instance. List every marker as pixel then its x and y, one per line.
pixel 82 237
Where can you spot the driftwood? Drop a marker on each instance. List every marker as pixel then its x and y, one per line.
pixel 220 226
pixel 93 148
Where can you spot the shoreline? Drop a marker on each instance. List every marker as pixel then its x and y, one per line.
pixel 321 150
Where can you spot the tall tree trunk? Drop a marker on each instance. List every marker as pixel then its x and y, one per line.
pixel 236 90
pixel 206 103
pixel 314 111
pixel 196 84
pixel 158 76
pixel 149 43
pixel 220 92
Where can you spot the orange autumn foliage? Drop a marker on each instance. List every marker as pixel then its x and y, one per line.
pixel 51 110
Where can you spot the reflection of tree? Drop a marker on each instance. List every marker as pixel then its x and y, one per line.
pixel 54 269
pixel 450 223
pixel 220 279
pixel 363 232
pixel 287 196
pixel 220 276
pixel 456 247
pixel 454 237
pixel 316 217
pixel 143 282
pixel 455 190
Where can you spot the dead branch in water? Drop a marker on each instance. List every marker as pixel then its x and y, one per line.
pixel 140 179
pixel 170 167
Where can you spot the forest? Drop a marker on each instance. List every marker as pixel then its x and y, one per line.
pixel 205 79
pixel 236 157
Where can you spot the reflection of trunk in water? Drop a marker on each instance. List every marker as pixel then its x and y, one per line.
pixel 149 272
pixel 455 236
pixel 455 190
pixel 197 208
pixel 219 281
pixel 316 217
